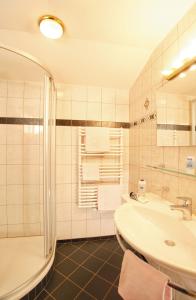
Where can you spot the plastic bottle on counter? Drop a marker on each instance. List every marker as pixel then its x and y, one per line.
pixel 141 187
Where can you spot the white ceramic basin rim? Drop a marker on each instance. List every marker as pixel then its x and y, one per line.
pixel 146 227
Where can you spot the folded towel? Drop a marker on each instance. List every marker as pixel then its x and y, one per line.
pixel 109 197
pixel 90 172
pixel 140 281
pixel 97 140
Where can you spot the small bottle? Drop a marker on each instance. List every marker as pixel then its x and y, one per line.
pixel 190 165
pixel 141 187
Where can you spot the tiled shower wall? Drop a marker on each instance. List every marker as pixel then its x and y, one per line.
pixel 84 103
pixel 20 159
pixel 143 143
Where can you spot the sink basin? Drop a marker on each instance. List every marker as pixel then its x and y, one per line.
pixel 161 235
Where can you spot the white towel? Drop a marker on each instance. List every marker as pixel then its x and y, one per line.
pixel 109 197
pixel 90 172
pixel 97 140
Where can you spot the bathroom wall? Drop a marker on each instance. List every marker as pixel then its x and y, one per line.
pixel 84 103
pixel 20 159
pixel 21 190
pixel 143 143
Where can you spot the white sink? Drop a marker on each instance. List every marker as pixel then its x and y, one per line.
pixel 147 227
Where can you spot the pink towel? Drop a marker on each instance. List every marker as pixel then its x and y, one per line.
pixel 140 281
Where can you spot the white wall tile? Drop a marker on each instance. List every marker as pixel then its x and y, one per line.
pixel 108 112
pixel 78 213
pixel 14 134
pixel 79 110
pixel 31 174
pixel 79 93
pixel 32 213
pixel 15 107
pixel 32 108
pixel 2 134
pixel 31 154
pixel 32 134
pixel 3 215
pixel 122 96
pixel 14 174
pixel 63 135
pixel 107 226
pixel 32 229
pixel 32 90
pixel 78 229
pixel 94 111
pixel 15 89
pixel 63 174
pixel 108 95
pixel 2 154
pixel 63 193
pixel 3 88
pixel 15 230
pixel 15 214
pixel 3 231
pixel 2 195
pixel 63 109
pixel 93 228
pixel 122 113
pixel 31 193
pixel 15 194
pixel 63 230
pixel 64 92
pixel 19 99
pixel 63 212
pixel 3 107
pixel 15 154
pixel 94 94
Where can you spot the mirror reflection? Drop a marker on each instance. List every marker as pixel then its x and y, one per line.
pixel 176 111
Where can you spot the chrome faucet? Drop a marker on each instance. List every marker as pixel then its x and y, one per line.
pixel 186 207
pixel 133 196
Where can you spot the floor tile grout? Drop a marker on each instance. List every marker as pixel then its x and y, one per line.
pixel 99 244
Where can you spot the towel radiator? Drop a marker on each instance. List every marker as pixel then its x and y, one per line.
pixel 110 167
pixel 171 284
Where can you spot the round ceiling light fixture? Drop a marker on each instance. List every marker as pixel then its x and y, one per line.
pixel 51 27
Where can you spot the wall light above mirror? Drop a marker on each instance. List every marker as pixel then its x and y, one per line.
pixel 187 65
pixel 185 61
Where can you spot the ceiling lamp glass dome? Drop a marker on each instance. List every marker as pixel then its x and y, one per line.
pixel 51 27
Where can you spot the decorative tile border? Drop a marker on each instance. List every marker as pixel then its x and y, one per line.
pixel 21 121
pixel 91 123
pixel 143 120
pixel 174 127
pixel 64 122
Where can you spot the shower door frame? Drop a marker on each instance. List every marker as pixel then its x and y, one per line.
pixel 49 192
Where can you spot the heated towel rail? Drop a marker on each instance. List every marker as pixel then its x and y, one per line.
pixel 110 166
pixel 171 284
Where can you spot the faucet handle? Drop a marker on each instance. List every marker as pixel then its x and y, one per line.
pixel 186 200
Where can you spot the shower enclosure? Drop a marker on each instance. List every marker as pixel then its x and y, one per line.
pixel 27 173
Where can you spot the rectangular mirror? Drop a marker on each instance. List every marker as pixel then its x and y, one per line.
pixel 176 111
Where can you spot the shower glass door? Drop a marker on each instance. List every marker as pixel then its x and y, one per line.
pixel 27 170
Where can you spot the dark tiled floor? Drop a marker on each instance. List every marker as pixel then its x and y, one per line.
pixel 85 270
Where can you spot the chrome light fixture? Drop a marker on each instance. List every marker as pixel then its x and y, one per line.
pixel 51 27
pixel 174 72
pixel 186 61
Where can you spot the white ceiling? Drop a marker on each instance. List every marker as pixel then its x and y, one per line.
pixel 106 42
